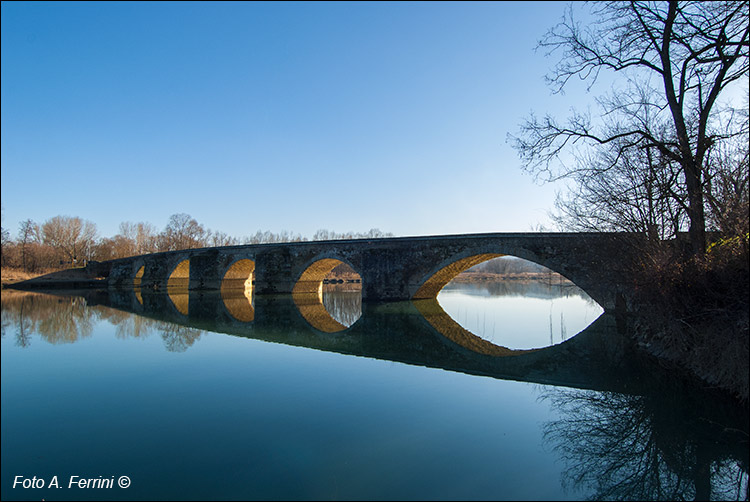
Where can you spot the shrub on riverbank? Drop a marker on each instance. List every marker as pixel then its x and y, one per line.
pixel 694 312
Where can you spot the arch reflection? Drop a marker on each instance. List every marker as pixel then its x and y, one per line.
pixel 177 286
pixel 137 284
pixel 334 306
pixel 518 304
pixel 450 329
pixel 138 277
pixel 237 290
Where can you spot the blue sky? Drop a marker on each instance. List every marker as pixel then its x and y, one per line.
pixel 275 116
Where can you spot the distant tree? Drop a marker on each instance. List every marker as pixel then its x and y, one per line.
pixel 5 241
pixel 142 235
pixel 217 239
pixel 29 234
pixel 677 58
pixel 5 237
pixel 268 237
pixel 72 237
pixel 182 232
pixel 328 235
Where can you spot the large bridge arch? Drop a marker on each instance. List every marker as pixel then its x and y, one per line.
pixel 439 275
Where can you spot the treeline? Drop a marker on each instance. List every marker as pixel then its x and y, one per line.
pixel 71 241
pixel 509 265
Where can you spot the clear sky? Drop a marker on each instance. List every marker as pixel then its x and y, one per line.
pixel 275 116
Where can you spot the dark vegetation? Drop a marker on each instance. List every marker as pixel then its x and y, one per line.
pixel 693 312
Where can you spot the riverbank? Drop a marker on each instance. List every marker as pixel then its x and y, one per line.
pixel 693 315
pixel 72 278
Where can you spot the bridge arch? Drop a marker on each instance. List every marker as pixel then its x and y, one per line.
pixel 310 280
pixel 177 286
pixel 436 278
pixel 137 279
pixel 237 290
pixel 179 277
pixel 239 275
pixel 308 294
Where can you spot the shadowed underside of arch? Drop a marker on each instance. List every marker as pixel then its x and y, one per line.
pixel 434 284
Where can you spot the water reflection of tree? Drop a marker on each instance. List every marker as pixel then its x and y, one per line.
pixel 531 289
pixel 178 338
pixel 60 319
pixel 128 325
pixel 658 447
pixel 56 319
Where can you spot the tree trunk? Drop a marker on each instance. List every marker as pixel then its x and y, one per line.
pixel 697 230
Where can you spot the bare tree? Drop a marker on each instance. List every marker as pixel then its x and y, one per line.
pixel 218 239
pixel 327 235
pixel 637 192
pixel 182 232
pixel 28 234
pixel 677 59
pixel 71 236
pixel 727 190
pixel 4 238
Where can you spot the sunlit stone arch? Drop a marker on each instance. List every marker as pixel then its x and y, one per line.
pixel 239 274
pixel 310 279
pixel 179 277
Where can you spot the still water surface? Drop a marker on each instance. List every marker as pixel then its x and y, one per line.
pixel 387 409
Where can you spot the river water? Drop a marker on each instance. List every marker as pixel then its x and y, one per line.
pixel 117 396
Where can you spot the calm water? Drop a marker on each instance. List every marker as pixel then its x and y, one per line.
pixel 212 397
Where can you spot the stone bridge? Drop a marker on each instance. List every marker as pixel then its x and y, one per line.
pixel 391 269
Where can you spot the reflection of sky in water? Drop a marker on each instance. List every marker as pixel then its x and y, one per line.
pixel 546 316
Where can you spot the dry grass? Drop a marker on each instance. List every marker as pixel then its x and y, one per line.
pixel 14 275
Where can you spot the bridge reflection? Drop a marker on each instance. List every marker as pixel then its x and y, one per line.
pixel 622 440
pixel 412 332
